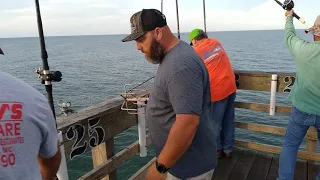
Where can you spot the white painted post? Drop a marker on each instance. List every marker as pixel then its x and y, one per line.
pixel 273 91
pixel 142 128
pixel 63 169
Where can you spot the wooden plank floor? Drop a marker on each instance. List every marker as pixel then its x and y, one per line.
pixel 250 165
pixel 253 165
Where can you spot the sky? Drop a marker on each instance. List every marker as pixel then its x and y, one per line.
pixel 96 17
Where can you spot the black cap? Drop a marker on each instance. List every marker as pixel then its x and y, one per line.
pixel 144 21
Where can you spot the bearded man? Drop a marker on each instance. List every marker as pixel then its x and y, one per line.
pixel 178 110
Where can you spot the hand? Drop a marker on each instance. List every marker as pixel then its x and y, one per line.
pixel 288 13
pixel 153 174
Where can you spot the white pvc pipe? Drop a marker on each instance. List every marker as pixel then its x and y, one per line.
pixel 273 94
pixel 63 170
pixel 142 128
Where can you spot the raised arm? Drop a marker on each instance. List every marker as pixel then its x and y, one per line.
pixel 299 48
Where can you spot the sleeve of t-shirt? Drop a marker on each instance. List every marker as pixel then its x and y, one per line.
pixel 49 144
pixel 185 91
pixel 298 47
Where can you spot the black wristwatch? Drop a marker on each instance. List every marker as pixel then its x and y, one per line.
pixel 161 168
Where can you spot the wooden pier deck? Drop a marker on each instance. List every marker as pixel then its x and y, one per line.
pixel 254 165
pixel 246 164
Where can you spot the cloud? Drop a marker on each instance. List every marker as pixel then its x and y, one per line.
pixel 81 17
pixel 61 17
pixel 267 15
pixel 75 2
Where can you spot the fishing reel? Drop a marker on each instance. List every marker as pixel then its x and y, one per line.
pixel 64 105
pixel 52 76
pixel 288 5
pixel 65 108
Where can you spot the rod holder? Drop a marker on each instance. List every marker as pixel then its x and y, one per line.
pixel 63 169
pixel 273 90
pixel 142 128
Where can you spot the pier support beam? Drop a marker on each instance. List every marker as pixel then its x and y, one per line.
pixel 101 153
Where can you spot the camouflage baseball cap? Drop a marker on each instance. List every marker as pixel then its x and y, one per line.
pixel 315 29
pixel 144 21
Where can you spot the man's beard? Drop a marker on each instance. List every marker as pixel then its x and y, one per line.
pixel 156 53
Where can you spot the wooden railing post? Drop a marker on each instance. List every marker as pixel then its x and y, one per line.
pixel 311 143
pixel 101 153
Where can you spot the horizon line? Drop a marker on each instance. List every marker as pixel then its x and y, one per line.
pixel 75 35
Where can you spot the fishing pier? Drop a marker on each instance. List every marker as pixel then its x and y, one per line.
pixel 94 129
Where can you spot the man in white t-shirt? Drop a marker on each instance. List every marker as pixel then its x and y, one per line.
pixel 28 134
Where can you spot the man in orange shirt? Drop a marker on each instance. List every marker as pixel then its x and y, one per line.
pixel 222 87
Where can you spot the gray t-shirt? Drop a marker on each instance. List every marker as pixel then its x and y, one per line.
pixel 181 86
pixel 27 128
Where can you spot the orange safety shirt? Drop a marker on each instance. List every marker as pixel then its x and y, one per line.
pixel 222 78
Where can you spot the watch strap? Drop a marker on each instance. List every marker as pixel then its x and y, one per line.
pixel 161 168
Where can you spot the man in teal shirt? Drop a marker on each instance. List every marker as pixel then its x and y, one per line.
pixel 305 94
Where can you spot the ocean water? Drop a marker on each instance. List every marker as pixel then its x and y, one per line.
pixel 96 68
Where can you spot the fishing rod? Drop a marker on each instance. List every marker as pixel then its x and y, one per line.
pixel 161 6
pixel 140 84
pixel 289 5
pixel 204 16
pixel 45 75
pixel 46 78
pixel 178 19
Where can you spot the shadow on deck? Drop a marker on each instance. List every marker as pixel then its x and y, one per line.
pixel 248 164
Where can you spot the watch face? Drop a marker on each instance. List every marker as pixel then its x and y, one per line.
pixel 161 168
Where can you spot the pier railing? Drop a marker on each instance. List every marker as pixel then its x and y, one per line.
pixel 94 128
